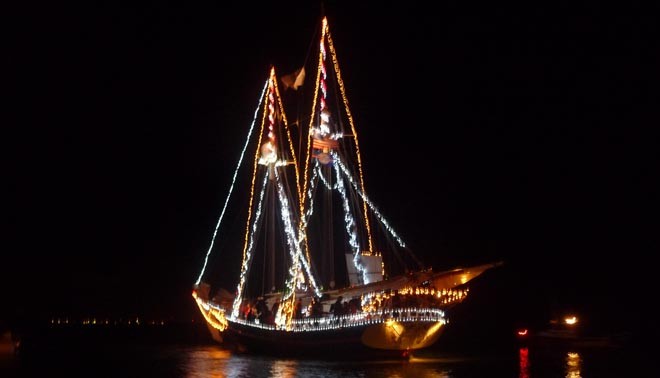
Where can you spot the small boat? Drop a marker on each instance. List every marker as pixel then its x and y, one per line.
pixel 566 332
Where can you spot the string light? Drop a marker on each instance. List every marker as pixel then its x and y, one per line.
pixel 375 301
pixel 310 191
pixel 418 315
pixel 340 82
pixel 231 187
pixel 270 159
pixel 349 223
pixel 213 314
pixel 323 179
pixel 368 202
pixel 292 240
pixel 287 131
pixel 247 255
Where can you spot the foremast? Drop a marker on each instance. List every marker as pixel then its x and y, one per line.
pixel 272 159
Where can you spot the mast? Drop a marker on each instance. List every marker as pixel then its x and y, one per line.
pixel 274 154
pixel 340 82
pixel 325 143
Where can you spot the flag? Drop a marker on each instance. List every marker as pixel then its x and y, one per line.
pixel 294 80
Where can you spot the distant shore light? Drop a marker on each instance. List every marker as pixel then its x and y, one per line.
pixel 570 320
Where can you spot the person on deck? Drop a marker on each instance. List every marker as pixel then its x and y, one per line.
pixel 337 308
pixel 297 309
pixel 317 307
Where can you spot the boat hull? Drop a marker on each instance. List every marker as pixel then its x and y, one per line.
pixel 381 340
pixel 391 330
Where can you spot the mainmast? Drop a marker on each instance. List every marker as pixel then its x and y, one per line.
pixel 324 148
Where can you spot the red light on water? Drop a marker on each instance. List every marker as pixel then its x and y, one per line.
pixel 524 362
pixel 522 332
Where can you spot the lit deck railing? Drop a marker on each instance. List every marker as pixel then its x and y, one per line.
pixel 376 308
pixel 329 322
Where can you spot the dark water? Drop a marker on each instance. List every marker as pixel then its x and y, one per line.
pixel 138 358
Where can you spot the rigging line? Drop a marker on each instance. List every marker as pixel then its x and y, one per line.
pixel 247 261
pixel 310 194
pixel 300 121
pixel 368 201
pixel 292 240
pixel 395 255
pixel 269 243
pixel 233 181
pixel 356 206
pixel 312 43
pixel 310 128
pixel 324 180
pixel 350 225
pixel 335 63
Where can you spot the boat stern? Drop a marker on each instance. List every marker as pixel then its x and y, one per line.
pixel 397 335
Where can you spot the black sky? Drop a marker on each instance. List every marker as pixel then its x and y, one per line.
pixel 490 132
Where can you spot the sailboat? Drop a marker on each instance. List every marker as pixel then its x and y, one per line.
pixel 322 270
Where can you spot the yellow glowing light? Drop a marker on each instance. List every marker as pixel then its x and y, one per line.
pixel 335 62
pixel 570 320
pixel 231 188
pixel 573 363
pixel 215 317
pixel 246 239
pixel 396 327
pixel 433 329
pixel 326 38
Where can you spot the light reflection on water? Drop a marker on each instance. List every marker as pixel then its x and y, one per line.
pixel 211 361
pixel 523 354
pixel 573 363
pixel 284 369
pixel 206 362
pixel 197 361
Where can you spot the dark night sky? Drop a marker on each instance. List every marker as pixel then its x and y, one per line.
pixel 489 133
